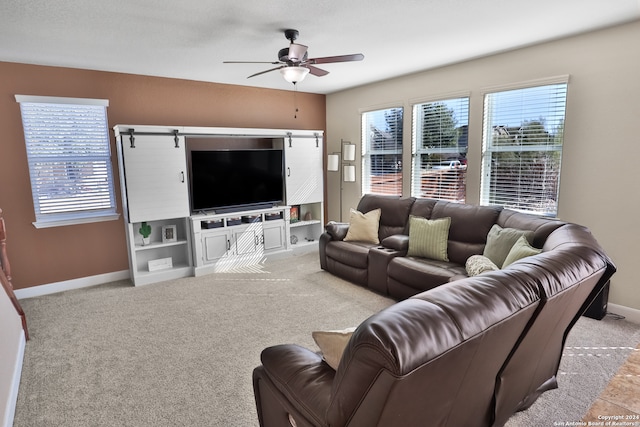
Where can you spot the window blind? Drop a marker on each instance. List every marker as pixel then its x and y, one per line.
pixel 382 151
pixel 439 149
pixel 522 148
pixel 69 159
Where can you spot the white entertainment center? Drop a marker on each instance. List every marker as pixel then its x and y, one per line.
pixel 155 174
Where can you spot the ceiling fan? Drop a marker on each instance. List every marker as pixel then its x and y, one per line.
pixel 294 63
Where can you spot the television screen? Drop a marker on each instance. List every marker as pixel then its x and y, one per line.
pixel 227 180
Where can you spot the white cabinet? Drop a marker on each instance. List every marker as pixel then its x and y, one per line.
pixel 305 189
pixel 237 241
pixel 153 180
pixel 303 164
pixel 155 177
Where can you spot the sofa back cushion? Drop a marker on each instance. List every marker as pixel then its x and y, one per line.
pixel 394 216
pixel 541 227
pixel 422 207
pixel 470 225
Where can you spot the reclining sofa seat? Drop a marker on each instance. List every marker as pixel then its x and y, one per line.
pixel 350 260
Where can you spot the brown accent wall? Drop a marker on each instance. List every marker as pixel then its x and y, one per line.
pixel 43 256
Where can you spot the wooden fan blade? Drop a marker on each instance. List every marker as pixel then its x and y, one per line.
pixel 266 71
pixel 340 58
pixel 316 71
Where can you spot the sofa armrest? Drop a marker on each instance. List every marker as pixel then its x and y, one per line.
pixel 399 242
pixel 302 377
pixel 337 230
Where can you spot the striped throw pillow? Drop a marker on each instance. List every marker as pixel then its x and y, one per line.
pixel 429 238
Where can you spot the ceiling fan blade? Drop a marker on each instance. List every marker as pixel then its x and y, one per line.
pixel 340 58
pixel 266 71
pixel 318 72
pixel 251 62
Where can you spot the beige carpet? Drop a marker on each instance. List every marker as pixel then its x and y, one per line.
pixel 181 353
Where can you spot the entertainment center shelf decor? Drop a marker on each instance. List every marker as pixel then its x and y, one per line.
pixel 217 199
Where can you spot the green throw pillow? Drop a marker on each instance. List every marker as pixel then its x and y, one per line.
pixel 520 249
pixel 501 240
pixel 429 238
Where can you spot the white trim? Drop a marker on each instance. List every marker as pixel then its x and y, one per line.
pixel 83 282
pixel 78 220
pixel 10 409
pixel 526 84
pixel 440 97
pixel 630 314
pixel 61 100
pixel 380 107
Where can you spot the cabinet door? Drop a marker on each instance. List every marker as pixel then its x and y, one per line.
pixel 274 237
pixel 303 170
pixel 215 246
pixel 248 240
pixel 155 173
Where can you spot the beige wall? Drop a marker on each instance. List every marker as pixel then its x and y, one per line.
pixel 602 148
pixel 43 256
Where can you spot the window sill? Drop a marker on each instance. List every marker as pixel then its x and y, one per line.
pixel 76 221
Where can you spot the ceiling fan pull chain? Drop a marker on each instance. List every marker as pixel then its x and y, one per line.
pixel 295 100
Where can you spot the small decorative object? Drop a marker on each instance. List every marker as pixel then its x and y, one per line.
pixel 294 213
pixel 293 239
pixel 169 233
pixel 307 216
pixel 145 230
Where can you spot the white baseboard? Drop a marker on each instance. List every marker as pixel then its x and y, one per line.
pixel 83 282
pixel 631 314
pixel 10 409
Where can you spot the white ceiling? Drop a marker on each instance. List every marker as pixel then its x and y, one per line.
pixel 189 39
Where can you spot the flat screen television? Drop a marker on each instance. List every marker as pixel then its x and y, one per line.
pixel 232 180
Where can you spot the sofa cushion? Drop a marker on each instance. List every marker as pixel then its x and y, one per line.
pixel 470 225
pixel 428 238
pixel 394 217
pixel 521 249
pixel 542 227
pixel 332 344
pixel 478 264
pixel 354 254
pixel 421 273
pixel 501 240
pixel 363 227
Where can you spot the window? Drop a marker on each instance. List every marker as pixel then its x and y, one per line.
pixel 69 157
pixel 522 148
pixel 440 140
pixel 382 151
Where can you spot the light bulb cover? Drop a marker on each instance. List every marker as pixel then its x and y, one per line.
pixel 294 74
pixel 349 152
pixel 333 161
pixel 349 173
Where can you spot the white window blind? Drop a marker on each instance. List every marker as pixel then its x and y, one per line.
pixel 69 157
pixel 382 151
pixel 522 148
pixel 439 149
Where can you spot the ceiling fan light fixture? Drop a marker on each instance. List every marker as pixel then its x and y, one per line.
pixel 294 74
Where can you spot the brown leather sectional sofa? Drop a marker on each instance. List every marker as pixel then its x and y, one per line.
pixel 456 350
